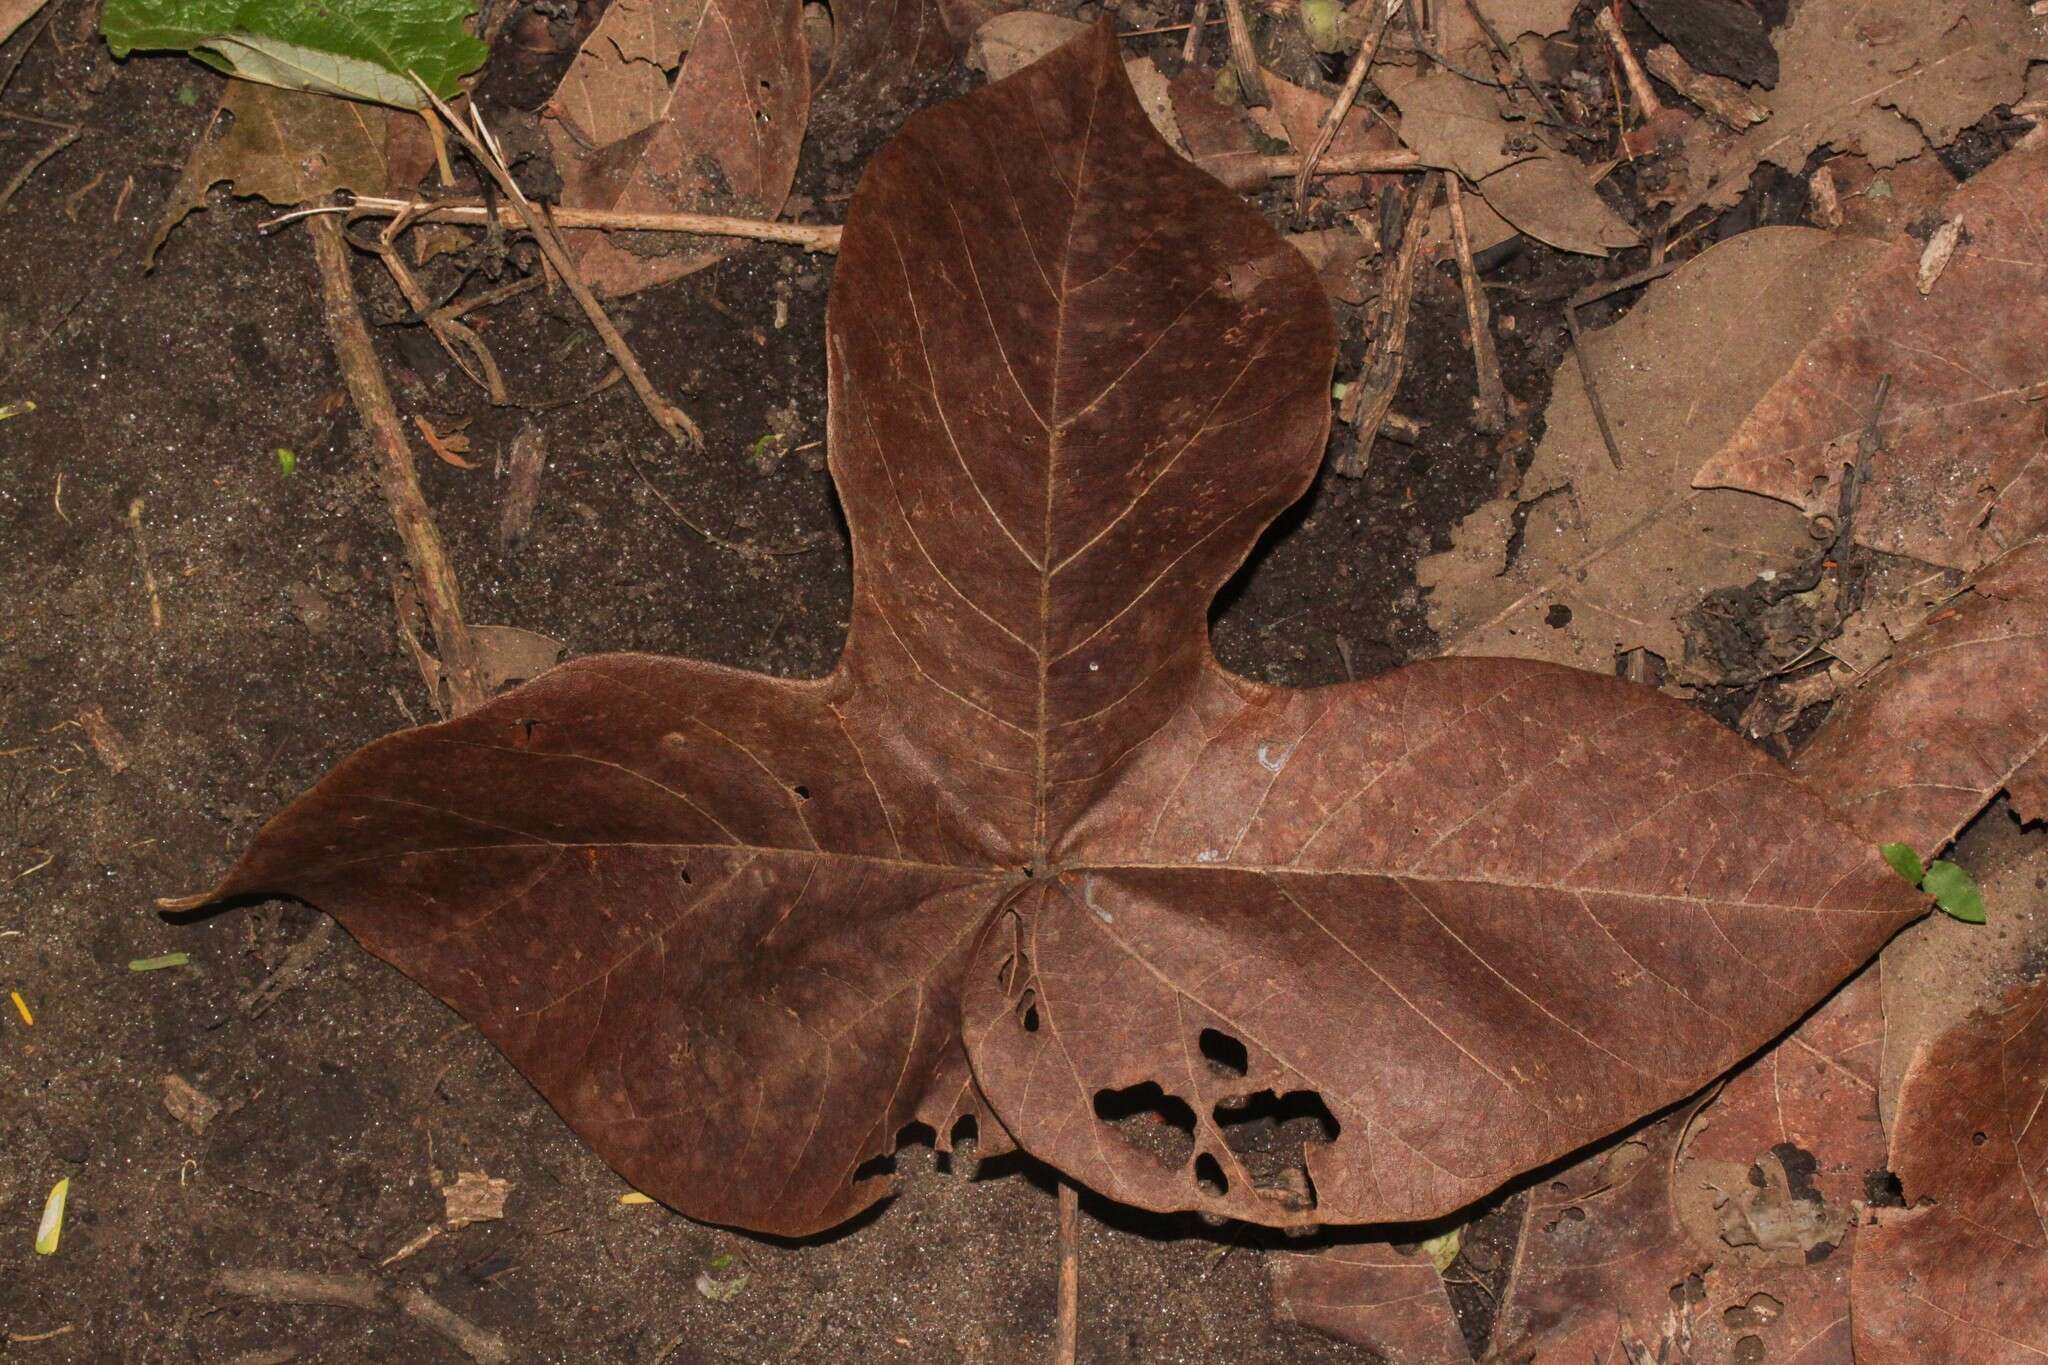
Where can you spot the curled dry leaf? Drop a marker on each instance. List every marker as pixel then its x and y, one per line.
pixel 1965 1278
pixel 1963 469
pixel 1612 560
pixel 678 105
pixel 1959 714
pixel 1029 853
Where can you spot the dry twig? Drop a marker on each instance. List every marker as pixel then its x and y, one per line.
pixel 395 472
pixel 369 1296
pixel 1244 58
pixel 1191 51
pixel 810 236
pixel 1370 396
pixel 1334 116
pixel 1067 1330
pixel 1490 408
pixel 666 415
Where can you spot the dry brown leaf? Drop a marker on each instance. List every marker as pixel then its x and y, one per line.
pixel 15 13
pixel 1296 114
pixel 1546 193
pixel 1958 715
pixel 1966 1277
pixel 1459 36
pixel 1218 138
pixel 1010 42
pixel 1963 469
pixel 507 654
pixel 1029 847
pixel 877 44
pixel 679 105
pixel 1613 560
pixel 287 146
pixel 450 448
pixel 1883 204
pixel 1371 1293
pixel 1886 81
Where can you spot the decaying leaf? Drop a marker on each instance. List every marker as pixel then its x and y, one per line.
pixel 1966 1277
pixel 877 44
pixel 1958 715
pixel 1612 560
pixel 1884 81
pixel 1374 1294
pixel 679 105
pixel 1029 853
pixel 473 1197
pixel 1546 193
pixel 1962 472
pixel 288 147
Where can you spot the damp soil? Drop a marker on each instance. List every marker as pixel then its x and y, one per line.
pixel 231 619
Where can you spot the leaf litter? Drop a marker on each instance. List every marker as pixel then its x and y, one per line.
pixel 647 118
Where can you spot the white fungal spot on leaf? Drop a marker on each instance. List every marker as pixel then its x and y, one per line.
pixel 1273 757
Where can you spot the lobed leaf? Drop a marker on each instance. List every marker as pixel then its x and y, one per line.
pixel 1029 854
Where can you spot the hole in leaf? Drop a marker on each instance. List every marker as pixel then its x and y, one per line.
pixel 685 874
pixel 1209 1175
pixel 1224 1052
pixel 803 793
pixel 1148 1118
pixel 1269 1134
pixel 1979 1139
pixel 1027 1011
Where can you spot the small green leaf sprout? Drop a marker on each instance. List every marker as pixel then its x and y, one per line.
pixel 1953 889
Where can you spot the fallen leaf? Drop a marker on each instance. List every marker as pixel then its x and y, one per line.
pixel 1387 1300
pixel 1216 135
pixel 880 44
pixel 1885 82
pixel 1958 715
pixel 366 50
pixel 1546 193
pixel 675 105
pixel 1460 36
pixel 474 1197
pixel 450 448
pixel 1962 471
pixel 1028 854
pixel 287 147
pixel 1612 560
pixel 1963 1278
pixel 15 13
pixel 1296 115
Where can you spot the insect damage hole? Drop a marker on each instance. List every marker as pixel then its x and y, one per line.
pixel 1269 1132
pixel 1145 1116
pixel 1209 1177
pixel 1225 1053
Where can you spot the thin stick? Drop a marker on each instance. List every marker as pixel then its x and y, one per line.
pixel 1490 408
pixel 395 473
pixel 439 140
pixel 35 163
pixel 1593 293
pixel 1370 397
pixel 1198 28
pixel 666 415
pixel 1648 106
pixel 1514 64
pixel 1067 1331
pixel 1244 58
pixel 482 369
pixel 810 236
pixel 1333 117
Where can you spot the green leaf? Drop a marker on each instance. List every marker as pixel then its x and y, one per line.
pixel 359 49
pixel 1954 890
pixel 288 460
pixel 1904 861
pixel 157 964
pixel 1444 1250
pixel 50 1230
